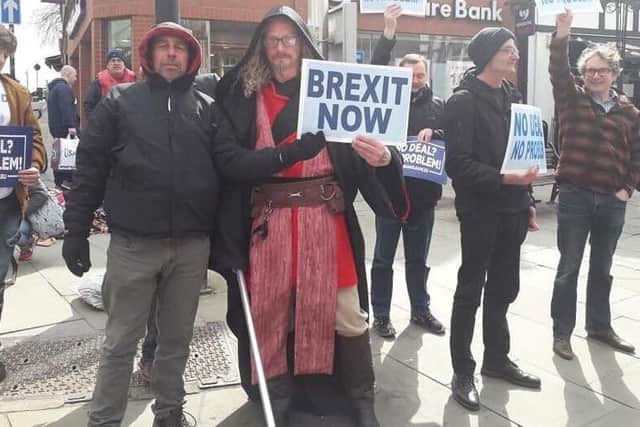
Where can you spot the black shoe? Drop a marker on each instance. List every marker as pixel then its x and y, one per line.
pixel 3 372
pixel 176 418
pixel 613 340
pixel 464 391
pixel 511 373
pixel 384 328
pixel 428 322
pixel 562 347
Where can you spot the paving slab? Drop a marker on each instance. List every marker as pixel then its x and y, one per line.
pixel 405 397
pixel 32 303
pixel 558 403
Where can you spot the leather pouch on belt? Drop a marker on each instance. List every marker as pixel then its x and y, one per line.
pixel 311 192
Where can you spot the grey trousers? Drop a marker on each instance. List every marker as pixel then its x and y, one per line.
pixel 137 270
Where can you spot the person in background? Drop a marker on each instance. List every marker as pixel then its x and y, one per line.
pixel 15 110
pixel 424 116
pixel 115 73
pixel 62 110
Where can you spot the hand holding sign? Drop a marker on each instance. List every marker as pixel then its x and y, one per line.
pixel 563 24
pixel 374 152
pixel 391 14
pixel 29 176
pixel 425 135
pixel 521 179
pixel 525 147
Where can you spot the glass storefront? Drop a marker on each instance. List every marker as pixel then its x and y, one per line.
pixel 447 56
pixel 229 40
pixel 201 31
pixel 119 36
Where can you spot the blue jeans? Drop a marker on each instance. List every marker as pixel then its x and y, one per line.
pixel 416 237
pixel 583 213
pixel 9 221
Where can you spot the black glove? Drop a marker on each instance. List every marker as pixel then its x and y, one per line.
pixel 75 251
pixel 307 147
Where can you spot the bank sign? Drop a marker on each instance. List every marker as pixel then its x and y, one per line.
pixel 459 9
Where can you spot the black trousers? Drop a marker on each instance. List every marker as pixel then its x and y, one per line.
pixel 490 259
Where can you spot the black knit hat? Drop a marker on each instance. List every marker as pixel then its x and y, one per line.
pixel 116 53
pixel 485 44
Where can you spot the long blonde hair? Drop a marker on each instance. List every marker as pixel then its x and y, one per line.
pixel 256 71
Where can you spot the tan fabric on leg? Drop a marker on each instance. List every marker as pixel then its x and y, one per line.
pixel 351 320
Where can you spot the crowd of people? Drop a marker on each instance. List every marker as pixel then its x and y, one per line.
pixel 195 175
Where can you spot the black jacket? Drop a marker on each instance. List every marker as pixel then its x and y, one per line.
pixel 61 108
pixel 150 153
pixel 424 112
pixel 93 97
pixel 476 123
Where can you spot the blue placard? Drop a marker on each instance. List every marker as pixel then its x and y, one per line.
pixel 525 147
pixel 424 160
pixel 11 11
pixel 16 144
pixel 346 100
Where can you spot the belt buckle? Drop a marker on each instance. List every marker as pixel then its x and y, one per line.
pixel 296 194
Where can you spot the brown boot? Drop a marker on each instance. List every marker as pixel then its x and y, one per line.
pixel 355 369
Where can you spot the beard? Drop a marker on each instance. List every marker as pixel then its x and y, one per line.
pixel 283 63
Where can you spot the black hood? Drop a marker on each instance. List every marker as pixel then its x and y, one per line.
pixel 231 77
pixel 56 82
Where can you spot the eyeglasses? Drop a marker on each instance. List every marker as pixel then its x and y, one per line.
pixel 591 72
pixel 511 51
pixel 287 41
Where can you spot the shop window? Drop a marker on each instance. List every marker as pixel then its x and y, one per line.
pixel 446 55
pixel 200 30
pixel 119 37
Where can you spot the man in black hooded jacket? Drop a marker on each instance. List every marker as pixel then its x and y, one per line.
pixel 304 255
pixel 150 153
pixel 494 211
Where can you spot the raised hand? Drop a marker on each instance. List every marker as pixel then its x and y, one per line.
pixel 563 24
pixel 391 14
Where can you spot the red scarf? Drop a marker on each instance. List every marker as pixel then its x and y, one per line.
pixel 107 81
pixel 315 260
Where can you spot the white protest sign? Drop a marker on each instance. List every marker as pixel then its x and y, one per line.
pixel 345 100
pixel 409 7
pixel 554 7
pixel 526 141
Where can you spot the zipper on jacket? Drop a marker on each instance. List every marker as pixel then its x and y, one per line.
pixel 170 120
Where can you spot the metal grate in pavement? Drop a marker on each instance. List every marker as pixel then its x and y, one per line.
pixel 66 367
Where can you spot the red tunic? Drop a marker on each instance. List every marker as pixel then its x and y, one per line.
pixel 347 275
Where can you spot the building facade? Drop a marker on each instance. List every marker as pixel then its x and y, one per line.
pixel 224 28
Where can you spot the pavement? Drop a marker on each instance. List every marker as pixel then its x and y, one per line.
pixel 600 387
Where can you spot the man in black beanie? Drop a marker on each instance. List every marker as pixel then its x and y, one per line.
pixel 495 210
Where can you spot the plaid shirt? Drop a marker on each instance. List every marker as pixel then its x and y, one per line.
pixel 599 149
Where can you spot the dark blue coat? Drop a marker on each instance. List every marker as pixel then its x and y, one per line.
pixel 61 106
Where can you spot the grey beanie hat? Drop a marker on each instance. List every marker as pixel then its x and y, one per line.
pixel 485 44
